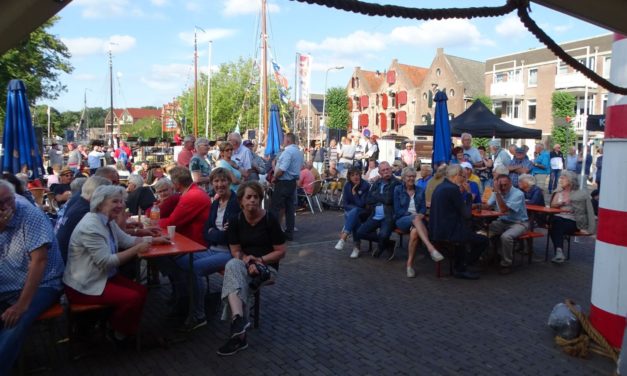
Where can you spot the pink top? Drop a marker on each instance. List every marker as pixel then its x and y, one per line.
pixel 305 181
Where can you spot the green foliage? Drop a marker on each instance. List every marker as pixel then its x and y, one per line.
pixel 234 96
pixel 337 108
pixel 563 107
pixel 96 117
pixel 487 101
pixel 144 128
pixel 38 61
pixel 480 141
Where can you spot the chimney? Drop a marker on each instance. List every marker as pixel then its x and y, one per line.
pixel 440 51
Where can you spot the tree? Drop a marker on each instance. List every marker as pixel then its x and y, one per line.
pixel 38 61
pixel 563 109
pixel 482 141
pixel 337 108
pixel 144 128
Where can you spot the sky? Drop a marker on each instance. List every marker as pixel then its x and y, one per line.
pixel 152 42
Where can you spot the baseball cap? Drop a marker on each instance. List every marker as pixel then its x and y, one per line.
pixel 247 143
pixel 466 165
pixel 66 171
pixel 520 150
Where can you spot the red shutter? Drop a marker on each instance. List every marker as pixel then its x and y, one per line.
pixel 391 77
pixel 384 101
pixel 350 105
pixel 363 120
pixel 401 98
pixel 401 118
pixel 383 122
pixel 364 101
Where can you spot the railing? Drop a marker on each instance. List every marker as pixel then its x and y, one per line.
pixel 507 89
pixel 572 80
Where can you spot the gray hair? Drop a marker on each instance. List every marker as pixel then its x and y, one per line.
pixel 236 137
pixel 106 172
pixel 453 170
pixel 501 170
pixel 531 180
pixel 572 178
pixel 426 167
pixel 465 134
pixel 201 140
pixel 91 184
pixel 102 193
pixel 163 183
pixel 137 180
pixel 77 184
pixel 23 178
pixel 407 170
pixel 7 185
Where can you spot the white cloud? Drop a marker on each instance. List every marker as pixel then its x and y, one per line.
pixel 239 7
pixel 205 37
pixel 511 27
pixel 357 42
pixel 169 78
pixel 83 46
pixel 109 8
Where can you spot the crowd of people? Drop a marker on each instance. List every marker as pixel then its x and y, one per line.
pixel 213 194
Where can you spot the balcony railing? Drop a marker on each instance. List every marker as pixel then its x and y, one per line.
pixel 572 80
pixel 514 121
pixel 507 89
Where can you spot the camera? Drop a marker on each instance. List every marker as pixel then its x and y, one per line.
pixel 263 276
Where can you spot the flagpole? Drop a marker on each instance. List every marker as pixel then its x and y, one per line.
pixel 295 93
pixel 48 113
pixel 207 111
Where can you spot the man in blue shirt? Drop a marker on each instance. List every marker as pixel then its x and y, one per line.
pixel 286 174
pixel 426 173
pixel 541 168
pixel 519 165
pixel 30 271
pixel 514 222
pixel 381 197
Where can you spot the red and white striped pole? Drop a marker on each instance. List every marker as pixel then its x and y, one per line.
pixel 609 279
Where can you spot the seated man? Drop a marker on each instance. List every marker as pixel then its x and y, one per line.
pixel 63 191
pixel 449 221
pixel 381 197
pixel 514 223
pixel 533 193
pixel 304 184
pixel 30 271
pixel 139 197
pixel 472 181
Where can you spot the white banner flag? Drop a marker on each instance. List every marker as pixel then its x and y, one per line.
pixel 304 76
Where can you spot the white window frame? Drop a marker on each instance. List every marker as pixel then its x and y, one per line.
pixel 532 102
pixel 529 83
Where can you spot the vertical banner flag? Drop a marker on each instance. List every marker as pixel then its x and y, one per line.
pixel 281 82
pixel 304 76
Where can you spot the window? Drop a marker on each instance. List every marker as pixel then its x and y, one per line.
pixel 607 63
pixel 562 68
pixel 532 79
pixel 501 77
pixel 604 102
pixel 451 93
pixel 424 96
pixel 531 110
pixel 438 72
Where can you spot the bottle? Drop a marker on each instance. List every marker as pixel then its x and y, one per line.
pixel 155 215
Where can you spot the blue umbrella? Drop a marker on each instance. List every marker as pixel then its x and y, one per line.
pixel 21 149
pixel 441 131
pixel 274 139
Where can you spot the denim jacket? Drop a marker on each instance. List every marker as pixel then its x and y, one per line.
pixel 401 201
pixel 386 198
pixel 217 237
pixel 352 201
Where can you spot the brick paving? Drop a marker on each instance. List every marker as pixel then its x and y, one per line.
pixel 331 315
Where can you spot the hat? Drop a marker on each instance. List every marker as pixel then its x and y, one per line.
pixel 466 165
pixel 495 142
pixel 247 143
pixel 66 171
pixel 520 150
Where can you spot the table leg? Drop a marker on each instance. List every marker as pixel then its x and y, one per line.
pixel 190 285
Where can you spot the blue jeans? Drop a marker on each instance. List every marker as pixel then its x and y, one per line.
pixel 404 223
pixel 11 340
pixel 205 263
pixel 555 175
pixel 352 222
pixel 368 231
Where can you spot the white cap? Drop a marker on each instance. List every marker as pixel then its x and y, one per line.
pixel 466 165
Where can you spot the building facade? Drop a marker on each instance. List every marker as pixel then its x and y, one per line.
pixel 521 84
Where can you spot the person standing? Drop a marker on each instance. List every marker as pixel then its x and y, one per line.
pixel 94 159
pixel 55 155
pixel 409 155
pixel 571 159
pixel 541 168
pixel 472 153
pixel 241 155
pixel 199 165
pixel 286 174
pixel 319 154
pixel 557 165
pixel 74 158
pixel 186 154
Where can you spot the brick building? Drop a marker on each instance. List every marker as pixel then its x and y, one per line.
pixel 521 84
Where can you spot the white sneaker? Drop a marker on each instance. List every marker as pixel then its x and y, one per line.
pixel 355 253
pixel 340 245
pixel 436 256
pixel 559 257
pixel 411 273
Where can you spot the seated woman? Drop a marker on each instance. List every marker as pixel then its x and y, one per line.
pixel 226 152
pixel 139 197
pixel 533 193
pixel 155 173
pixel 98 247
pixel 410 209
pixel 578 212
pixel 332 177
pixel 257 245
pixel 355 192
pixel 167 199
pixel 223 207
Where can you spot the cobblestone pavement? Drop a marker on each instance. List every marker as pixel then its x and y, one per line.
pixel 331 315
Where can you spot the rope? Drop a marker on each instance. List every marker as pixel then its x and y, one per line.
pixel 522 7
pixel 580 346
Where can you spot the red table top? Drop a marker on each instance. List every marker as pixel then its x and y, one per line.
pixel 543 209
pixel 486 213
pixel 181 245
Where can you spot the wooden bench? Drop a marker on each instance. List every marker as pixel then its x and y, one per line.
pixel 576 234
pixel 526 240
pixel 447 249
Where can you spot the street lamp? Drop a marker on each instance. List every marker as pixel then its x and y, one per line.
pixel 324 98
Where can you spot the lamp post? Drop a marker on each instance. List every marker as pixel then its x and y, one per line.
pixel 324 98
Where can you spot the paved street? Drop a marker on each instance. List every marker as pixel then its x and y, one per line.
pixel 330 315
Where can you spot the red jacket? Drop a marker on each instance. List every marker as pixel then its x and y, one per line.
pixel 190 214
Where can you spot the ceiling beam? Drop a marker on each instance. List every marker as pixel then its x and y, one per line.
pixel 608 14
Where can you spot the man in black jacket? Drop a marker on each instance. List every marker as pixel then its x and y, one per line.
pixel 448 221
pixel 380 198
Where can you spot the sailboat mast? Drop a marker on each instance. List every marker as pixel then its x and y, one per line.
pixel 110 98
pixel 264 69
pixel 208 107
pixel 195 85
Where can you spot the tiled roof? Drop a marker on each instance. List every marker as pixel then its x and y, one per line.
pixel 141 113
pixel 372 79
pixel 471 72
pixel 415 74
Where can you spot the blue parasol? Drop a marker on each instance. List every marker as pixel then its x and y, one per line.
pixel 274 139
pixel 21 149
pixel 441 131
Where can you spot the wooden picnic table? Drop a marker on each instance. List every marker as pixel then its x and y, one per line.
pixel 549 211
